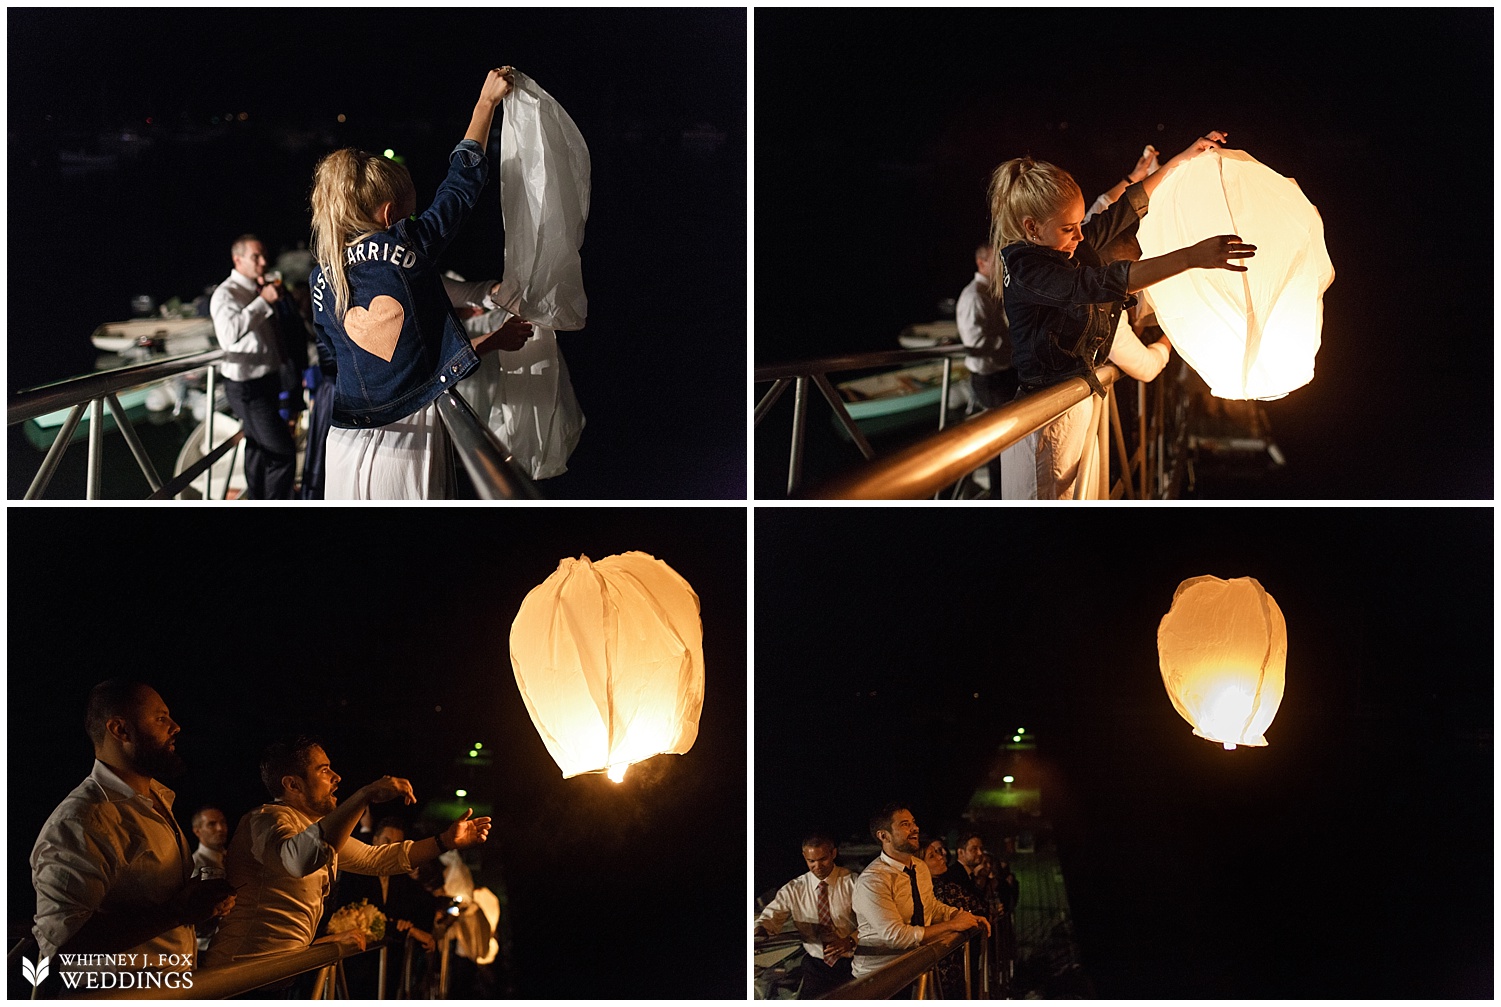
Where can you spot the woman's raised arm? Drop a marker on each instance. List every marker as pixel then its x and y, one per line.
pixel 497 86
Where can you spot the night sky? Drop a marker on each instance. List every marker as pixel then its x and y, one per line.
pixel 659 96
pixel 876 139
pixel 1351 857
pixel 357 627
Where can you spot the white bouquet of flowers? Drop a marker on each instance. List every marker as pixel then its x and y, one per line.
pixel 361 916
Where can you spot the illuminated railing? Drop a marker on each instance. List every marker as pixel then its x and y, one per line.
pixel 251 975
pixel 487 460
pixel 941 460
pixel 814 373
pixel 918 967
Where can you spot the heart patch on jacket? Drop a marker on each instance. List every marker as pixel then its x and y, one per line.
pixel 377 328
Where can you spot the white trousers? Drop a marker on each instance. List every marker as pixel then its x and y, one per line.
pixel 1045 464
pixel 405 460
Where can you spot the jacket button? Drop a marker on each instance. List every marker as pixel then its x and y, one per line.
pixel 442 377
pixel 454 369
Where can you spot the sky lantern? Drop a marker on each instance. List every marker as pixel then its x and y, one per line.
pixel 1223 651
pixel 609 659
pixel 1250 335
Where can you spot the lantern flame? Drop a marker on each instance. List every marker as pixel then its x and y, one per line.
pixel 617 772
pixel 1223 652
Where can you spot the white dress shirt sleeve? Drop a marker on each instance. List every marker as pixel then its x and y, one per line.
pixel 880 916
pixel 276 840
pixel 361 858
pixel 1129 354
pixel 941 912
pixel 72 870
pixel 777 911
pixel 234 325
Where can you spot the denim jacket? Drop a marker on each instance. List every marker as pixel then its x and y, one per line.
pixel 1063 311
pixel 407 346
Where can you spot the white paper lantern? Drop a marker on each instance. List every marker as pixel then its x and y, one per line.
pixel 609 660
pixel 1223 651
pixel 1250 335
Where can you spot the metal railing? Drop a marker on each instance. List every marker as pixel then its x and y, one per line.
pixel 94 392
pixel 248 976
pixel 242 977
pixel 816 372
pixel 485 458
pixel 917 967
pixel 927 467
pixel 941 460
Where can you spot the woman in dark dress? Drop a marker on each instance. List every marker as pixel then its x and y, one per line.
pixel 948 891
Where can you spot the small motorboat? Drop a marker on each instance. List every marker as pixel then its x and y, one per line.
pixel 42 430
pixel 906 396
pixel 927 335
pixel 174 336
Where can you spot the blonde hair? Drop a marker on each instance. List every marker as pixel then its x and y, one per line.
pixel 349 186
pixel 1022 187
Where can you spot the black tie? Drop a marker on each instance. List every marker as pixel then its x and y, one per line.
pixel 916 897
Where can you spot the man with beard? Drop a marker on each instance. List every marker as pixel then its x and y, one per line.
pixel 111 865
pixel 818 904
pixel 971 850
pixel 894 898
pixel 285 855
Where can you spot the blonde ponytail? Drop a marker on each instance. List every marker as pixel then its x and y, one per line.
pixel 349 186
pixel 1022 187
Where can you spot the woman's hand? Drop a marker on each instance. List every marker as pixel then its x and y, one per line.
pixel 1215 253
pixel 497 85
pixel 1209 141
pixel 510 337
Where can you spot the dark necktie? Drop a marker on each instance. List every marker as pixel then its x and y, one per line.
pixel 825 916
pixel 916 897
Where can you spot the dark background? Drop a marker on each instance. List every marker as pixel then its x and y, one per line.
pixel 876 138
pixel 360 630
pixel 658 95
pixel 1351 857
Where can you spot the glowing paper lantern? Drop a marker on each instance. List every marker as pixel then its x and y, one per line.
pixel 609 660
pixel 1250 335
pixel 1223 651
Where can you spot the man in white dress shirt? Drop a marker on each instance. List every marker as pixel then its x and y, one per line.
pixel 819 905
pixel 894 898
pixel 243 311
pixel 111 865
pixel 212 830
pixel 285 855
